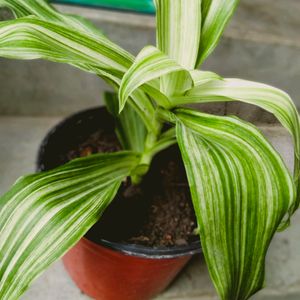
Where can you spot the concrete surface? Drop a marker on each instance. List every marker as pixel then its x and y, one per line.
pixel 20 137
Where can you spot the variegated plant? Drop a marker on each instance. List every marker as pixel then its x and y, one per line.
pixel 241 189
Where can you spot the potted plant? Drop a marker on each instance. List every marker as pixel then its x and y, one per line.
pixel 241 190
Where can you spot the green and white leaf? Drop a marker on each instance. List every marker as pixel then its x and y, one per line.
pixel 44 11
pixel 241 191
pixel 31 38
pixel 166 140
pixel 188 31
pixel 202 77
pixel 215 16
pixel 267 97
pixel 130 128
pixel 178 30
pixel 80 50
pixel 140 102
pixel 45 214
pixel 151 64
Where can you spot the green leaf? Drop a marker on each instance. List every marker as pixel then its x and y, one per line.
pixel 241 191
pixel 74 41
pixel 130 129
pixel 166 140
pixel 45 214
pixel 202 77
pixel 178 30
pixel 141 103
pixel 267 97
pixel 215 16
pixel 46 12
pixel 31 38
pixel 188 31
pixel 152 64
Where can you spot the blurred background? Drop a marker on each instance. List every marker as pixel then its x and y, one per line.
pixel 262 43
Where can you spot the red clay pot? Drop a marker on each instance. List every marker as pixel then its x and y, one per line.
pixel 109 274
pixel 101 269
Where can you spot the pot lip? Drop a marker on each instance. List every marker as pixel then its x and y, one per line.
pixel 125 248
pixel 150 252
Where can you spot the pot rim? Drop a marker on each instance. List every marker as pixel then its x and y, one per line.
pixel 125 248
pixel 150 252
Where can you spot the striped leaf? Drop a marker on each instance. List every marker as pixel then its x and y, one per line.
pixel 45 214
pixel 178 30
pixel 188 31
pixel 32 38
pixel 130 129
pixel 202 77
pixel 141 103
pixel 241 191
pixel 152 64
pixel 215 16
pixel 267 97
pixel 166 140
pixel 45 11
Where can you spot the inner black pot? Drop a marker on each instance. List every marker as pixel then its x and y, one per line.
pixel 74 130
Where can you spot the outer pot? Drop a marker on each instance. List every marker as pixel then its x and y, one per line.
pixel 102 269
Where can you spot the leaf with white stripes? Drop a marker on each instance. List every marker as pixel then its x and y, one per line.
pixel 267 97
pixel 200 77
pixel 130 128
pixel 215 16
pixel 188 31
pixel 241 190
pixel 152 64
pixel 45 214
pixel 140 102
pixel 29 41
pixel 178 30
pixel 31 38
pixel 45 11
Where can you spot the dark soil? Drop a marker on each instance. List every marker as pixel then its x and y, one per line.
pixel 156 213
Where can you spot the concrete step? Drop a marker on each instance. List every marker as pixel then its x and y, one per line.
pixel 20 138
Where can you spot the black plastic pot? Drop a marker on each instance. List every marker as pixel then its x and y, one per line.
pixel 91 263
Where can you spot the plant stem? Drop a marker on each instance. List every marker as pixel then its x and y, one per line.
pixel 155 142
pixel 166 115
pixel 146 159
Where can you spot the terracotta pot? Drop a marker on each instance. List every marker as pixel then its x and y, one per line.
pixel 108 274
pixel 101 269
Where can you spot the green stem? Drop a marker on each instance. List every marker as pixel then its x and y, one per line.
pixel 166 115
pixel 155 142
pixel 146 159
